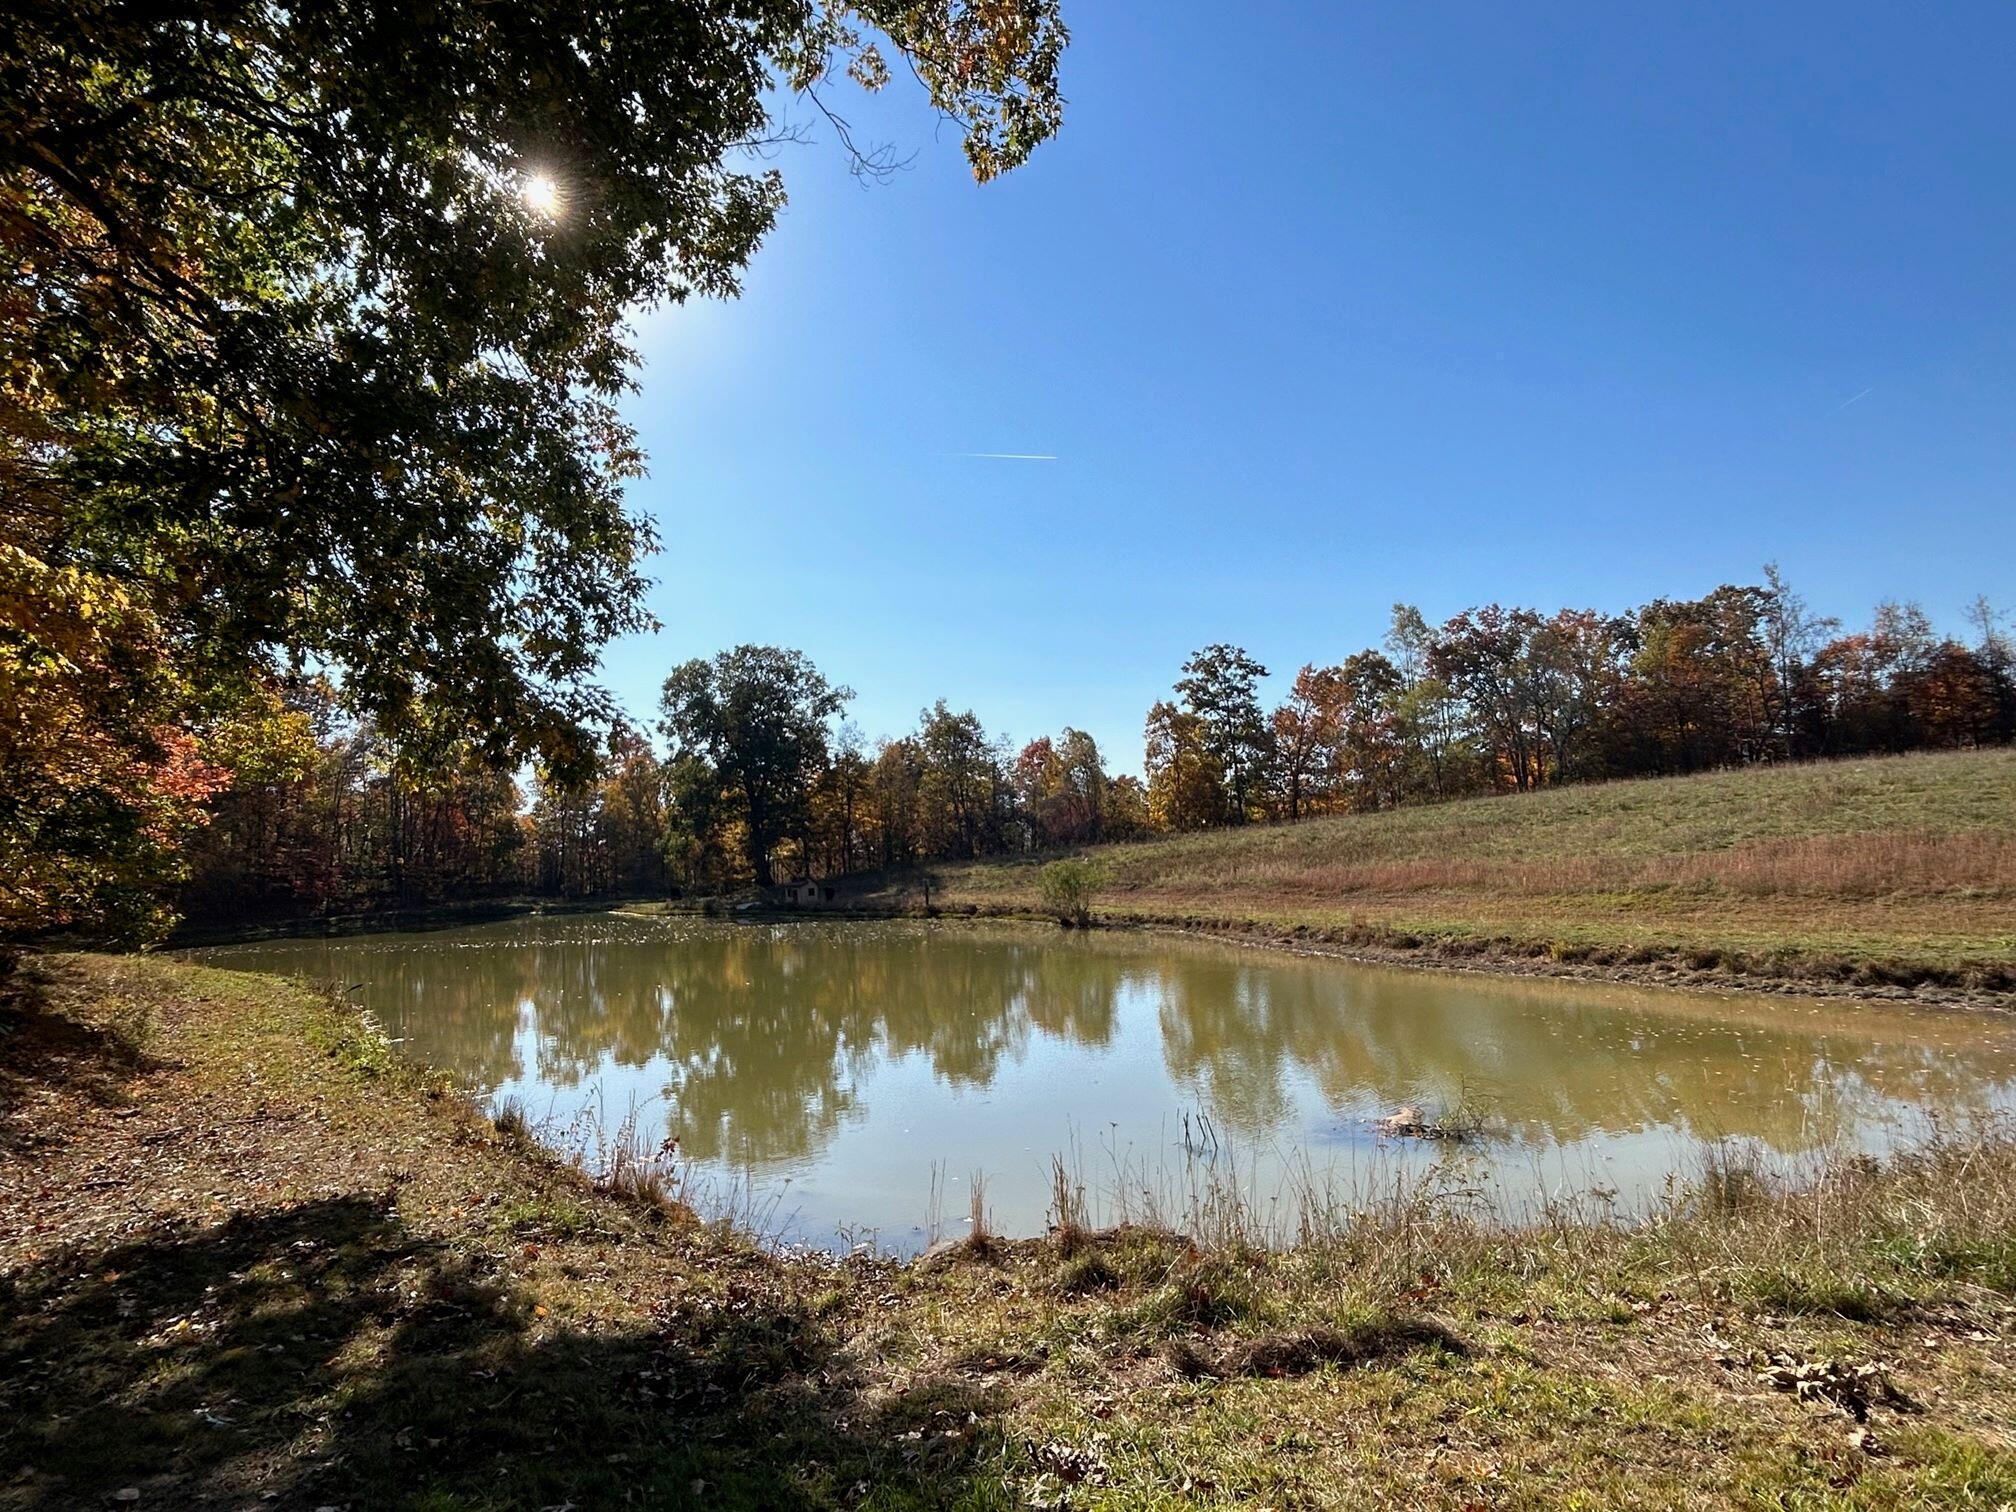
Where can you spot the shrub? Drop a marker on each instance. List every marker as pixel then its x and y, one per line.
pixel 1068 888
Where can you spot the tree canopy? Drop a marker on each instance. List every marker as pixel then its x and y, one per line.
pixel 758 716
pixel 316 314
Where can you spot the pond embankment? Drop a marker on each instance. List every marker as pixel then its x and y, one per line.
pixel 1886 878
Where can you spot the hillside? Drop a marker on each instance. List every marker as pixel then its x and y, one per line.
pixel 1898 872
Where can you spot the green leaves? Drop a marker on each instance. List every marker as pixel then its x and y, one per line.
pixel 758 716
pixel 297 348
pixel 290 357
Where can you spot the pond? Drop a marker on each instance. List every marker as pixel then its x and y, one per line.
pixel 842 1082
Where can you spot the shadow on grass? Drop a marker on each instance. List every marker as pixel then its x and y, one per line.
pixel 325 1355
pixel 42 1048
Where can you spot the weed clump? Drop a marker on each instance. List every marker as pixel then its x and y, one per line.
pixel 1732 1181
pixel 353 1038
pixel 1210 1291
pixel 1088 1270
pixel 512 1123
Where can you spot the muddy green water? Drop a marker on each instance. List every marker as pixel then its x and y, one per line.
pixel 846 1081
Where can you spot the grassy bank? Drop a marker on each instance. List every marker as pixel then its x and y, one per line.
pixel 1897 873
pixel 244 1255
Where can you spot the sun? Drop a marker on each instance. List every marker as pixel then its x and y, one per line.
pixel 542 196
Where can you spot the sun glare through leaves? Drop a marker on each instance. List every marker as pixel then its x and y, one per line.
pixel 542 195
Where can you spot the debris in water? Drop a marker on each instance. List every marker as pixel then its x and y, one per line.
pixel 1409 1122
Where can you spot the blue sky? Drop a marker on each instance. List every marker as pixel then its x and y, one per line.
pixel 1318 307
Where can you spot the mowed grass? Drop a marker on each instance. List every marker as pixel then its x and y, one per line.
pixel 249 1259
pixel 1894 871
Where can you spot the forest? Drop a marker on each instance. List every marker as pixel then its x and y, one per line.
pixel 752 772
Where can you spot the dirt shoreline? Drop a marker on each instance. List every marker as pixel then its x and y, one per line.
pixel 1673 974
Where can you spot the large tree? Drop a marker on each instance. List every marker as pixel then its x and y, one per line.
pixel 316 313
pixel 963 785
pixel 1220 686
pixel 1483 655
pixel 759 716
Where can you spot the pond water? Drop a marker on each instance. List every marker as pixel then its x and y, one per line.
pixel 846 1081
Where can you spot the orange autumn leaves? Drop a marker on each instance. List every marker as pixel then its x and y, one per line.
pixel 106 765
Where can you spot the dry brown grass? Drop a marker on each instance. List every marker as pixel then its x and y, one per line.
pixel 1895 864
pixel 1861 866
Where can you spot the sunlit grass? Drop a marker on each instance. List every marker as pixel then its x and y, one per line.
pixel 1892 870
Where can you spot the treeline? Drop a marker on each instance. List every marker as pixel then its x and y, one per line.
pixel 1509 700
pixel 755 774
pixel 759 779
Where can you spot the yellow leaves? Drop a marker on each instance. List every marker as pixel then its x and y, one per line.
pixel 99 778
pixel 869 69
pixel 260 740
pixel 61 612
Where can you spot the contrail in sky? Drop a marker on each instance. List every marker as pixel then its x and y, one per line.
pixel 1863 395
pixel 1010 456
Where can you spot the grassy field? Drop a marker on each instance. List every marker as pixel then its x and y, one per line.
pixel 1894 872
pixel 246 1259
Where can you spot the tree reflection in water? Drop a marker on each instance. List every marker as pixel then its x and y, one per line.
pixel 769 1042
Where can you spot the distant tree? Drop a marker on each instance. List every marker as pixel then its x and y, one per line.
pixel 1186 783
pixel 1126 809
pixel 895 783
pixel 1863 681
pixel 840 806
pixel 963 788
pixel 1951 698
pixel 1085 787
pixel 1995 649
pixel 279 841
pixel 703 841
pixel 1905 634
pixel 1702 681
pixel 1575 671
pixel 1368 758
pixel 1039 784
pixel 1061 788
pixel 567 862
pixel 608 835
pixel 1429 718
pixel 1482 655
pixel 759 716
pixel 1792 634
pixel 445 832
pixel 1307 728
pixel 632 817
pixel 1220 689
pixel 1409 643
pixel 1851 693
